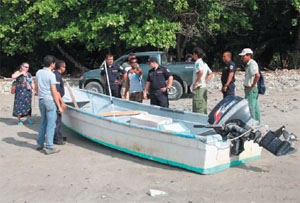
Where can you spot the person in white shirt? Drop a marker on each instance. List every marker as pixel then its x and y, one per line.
pixel 201 74
pixel 251 78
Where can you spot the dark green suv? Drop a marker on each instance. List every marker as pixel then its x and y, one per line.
pixel 181 71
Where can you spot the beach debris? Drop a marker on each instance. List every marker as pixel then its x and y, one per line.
pixel 153 192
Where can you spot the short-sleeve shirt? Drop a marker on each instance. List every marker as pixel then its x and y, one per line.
pixel 251 70
pixel 60 83
pixel 157 77
pixel 200 65
pixel 229 68
pixel 45 78
pixel 114 73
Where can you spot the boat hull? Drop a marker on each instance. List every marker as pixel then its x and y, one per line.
pixel 201 154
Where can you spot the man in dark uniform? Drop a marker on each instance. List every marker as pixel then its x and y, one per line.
pixel 227 78
pixel 60 68
pixel 156 80
pixel 114 76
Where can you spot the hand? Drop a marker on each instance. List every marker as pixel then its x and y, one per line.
pixel 195 85
pixel 23 73
pixel 63 106
pixel 249 89
pixel 163 89
pixel 224 89
pixel 145 95
pixel 118 82
pixel 60 110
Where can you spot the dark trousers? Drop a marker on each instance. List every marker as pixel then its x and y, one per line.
pixel 115 90
pixel 159 98
pixel 230 90
pixel 57 133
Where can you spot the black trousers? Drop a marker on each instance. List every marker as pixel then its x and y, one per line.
pixel 230 90
pixel 159 98
pixel 115 90
pixel 57 133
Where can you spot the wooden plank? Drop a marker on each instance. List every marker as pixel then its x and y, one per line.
pixel 72 96
pixel 118 113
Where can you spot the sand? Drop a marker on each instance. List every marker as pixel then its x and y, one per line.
pixel 85 171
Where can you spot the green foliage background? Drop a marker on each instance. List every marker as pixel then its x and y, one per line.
pixel 83 31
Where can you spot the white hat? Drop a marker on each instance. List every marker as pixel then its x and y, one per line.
pixel 246 51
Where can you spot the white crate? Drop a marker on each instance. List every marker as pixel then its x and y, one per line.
pixel 149 120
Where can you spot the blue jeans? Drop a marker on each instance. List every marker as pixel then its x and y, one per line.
pixel 48 118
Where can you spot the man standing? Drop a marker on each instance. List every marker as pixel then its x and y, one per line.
pixel 227 78
pixel 60 69
pixel 251 78
pixel 156 80
pixel 45 86
pixel 134 82
pixel 114 76
pixel 201 75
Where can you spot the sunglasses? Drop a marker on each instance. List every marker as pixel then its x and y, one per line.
pixel 134 62
pixel 26 66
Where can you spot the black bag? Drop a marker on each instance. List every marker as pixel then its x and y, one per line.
pixel 261 84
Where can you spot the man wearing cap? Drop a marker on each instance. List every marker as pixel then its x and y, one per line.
pixel 227 77
pixel 201 75
pixel 156 81
pixel 114 75
pixel 251 78
pixel 189 58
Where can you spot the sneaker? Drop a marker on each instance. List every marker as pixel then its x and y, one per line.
pixel 51 151
pixel 20 123
pixel 30 122
pixel 40 147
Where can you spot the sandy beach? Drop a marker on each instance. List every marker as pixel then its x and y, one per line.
pixel 85 171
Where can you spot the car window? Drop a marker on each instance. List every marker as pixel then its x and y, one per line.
pixel 164 59
pixel 143 59
pixel 121 60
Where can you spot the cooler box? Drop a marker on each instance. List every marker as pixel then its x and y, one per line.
pixel 149 120
pixel 175 127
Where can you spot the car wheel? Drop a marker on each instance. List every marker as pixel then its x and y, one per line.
pixel 95 87
pixel 176 90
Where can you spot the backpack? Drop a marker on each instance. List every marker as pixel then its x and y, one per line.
pixel 261 84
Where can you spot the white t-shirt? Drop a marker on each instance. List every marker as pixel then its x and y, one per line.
pixel 251 70
pixel 200 65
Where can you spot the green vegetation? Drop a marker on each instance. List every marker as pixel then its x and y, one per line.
pixel 83 31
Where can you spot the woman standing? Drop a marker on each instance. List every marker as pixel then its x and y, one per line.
pixel 23 95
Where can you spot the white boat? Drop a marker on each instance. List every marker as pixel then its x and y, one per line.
pixel 160 134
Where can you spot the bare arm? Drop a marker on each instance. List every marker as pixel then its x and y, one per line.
pixel 126 87
pixel 36 88
pixel 146 89
pixel 56 98
pixel 208 77
pixel 230 76
pixel 200 73
pixel 17 74
pixel 256 78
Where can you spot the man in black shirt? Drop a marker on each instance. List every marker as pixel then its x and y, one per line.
pixel 114 76
pixel 156 81
pixel 227 78
pixel 60 68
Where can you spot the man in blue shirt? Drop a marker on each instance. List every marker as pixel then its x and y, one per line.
pixel 114 76
pixel 156 81
pixel 45 87
pixel 227 78
pixel 60 69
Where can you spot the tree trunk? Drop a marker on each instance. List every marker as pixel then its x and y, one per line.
pixel 180 46
pixel 78 65
pixel 297 38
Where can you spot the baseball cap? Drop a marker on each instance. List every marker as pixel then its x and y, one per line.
pixel 153 59
pixel 246 51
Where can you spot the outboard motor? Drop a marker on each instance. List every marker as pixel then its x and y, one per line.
pixel 232 119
